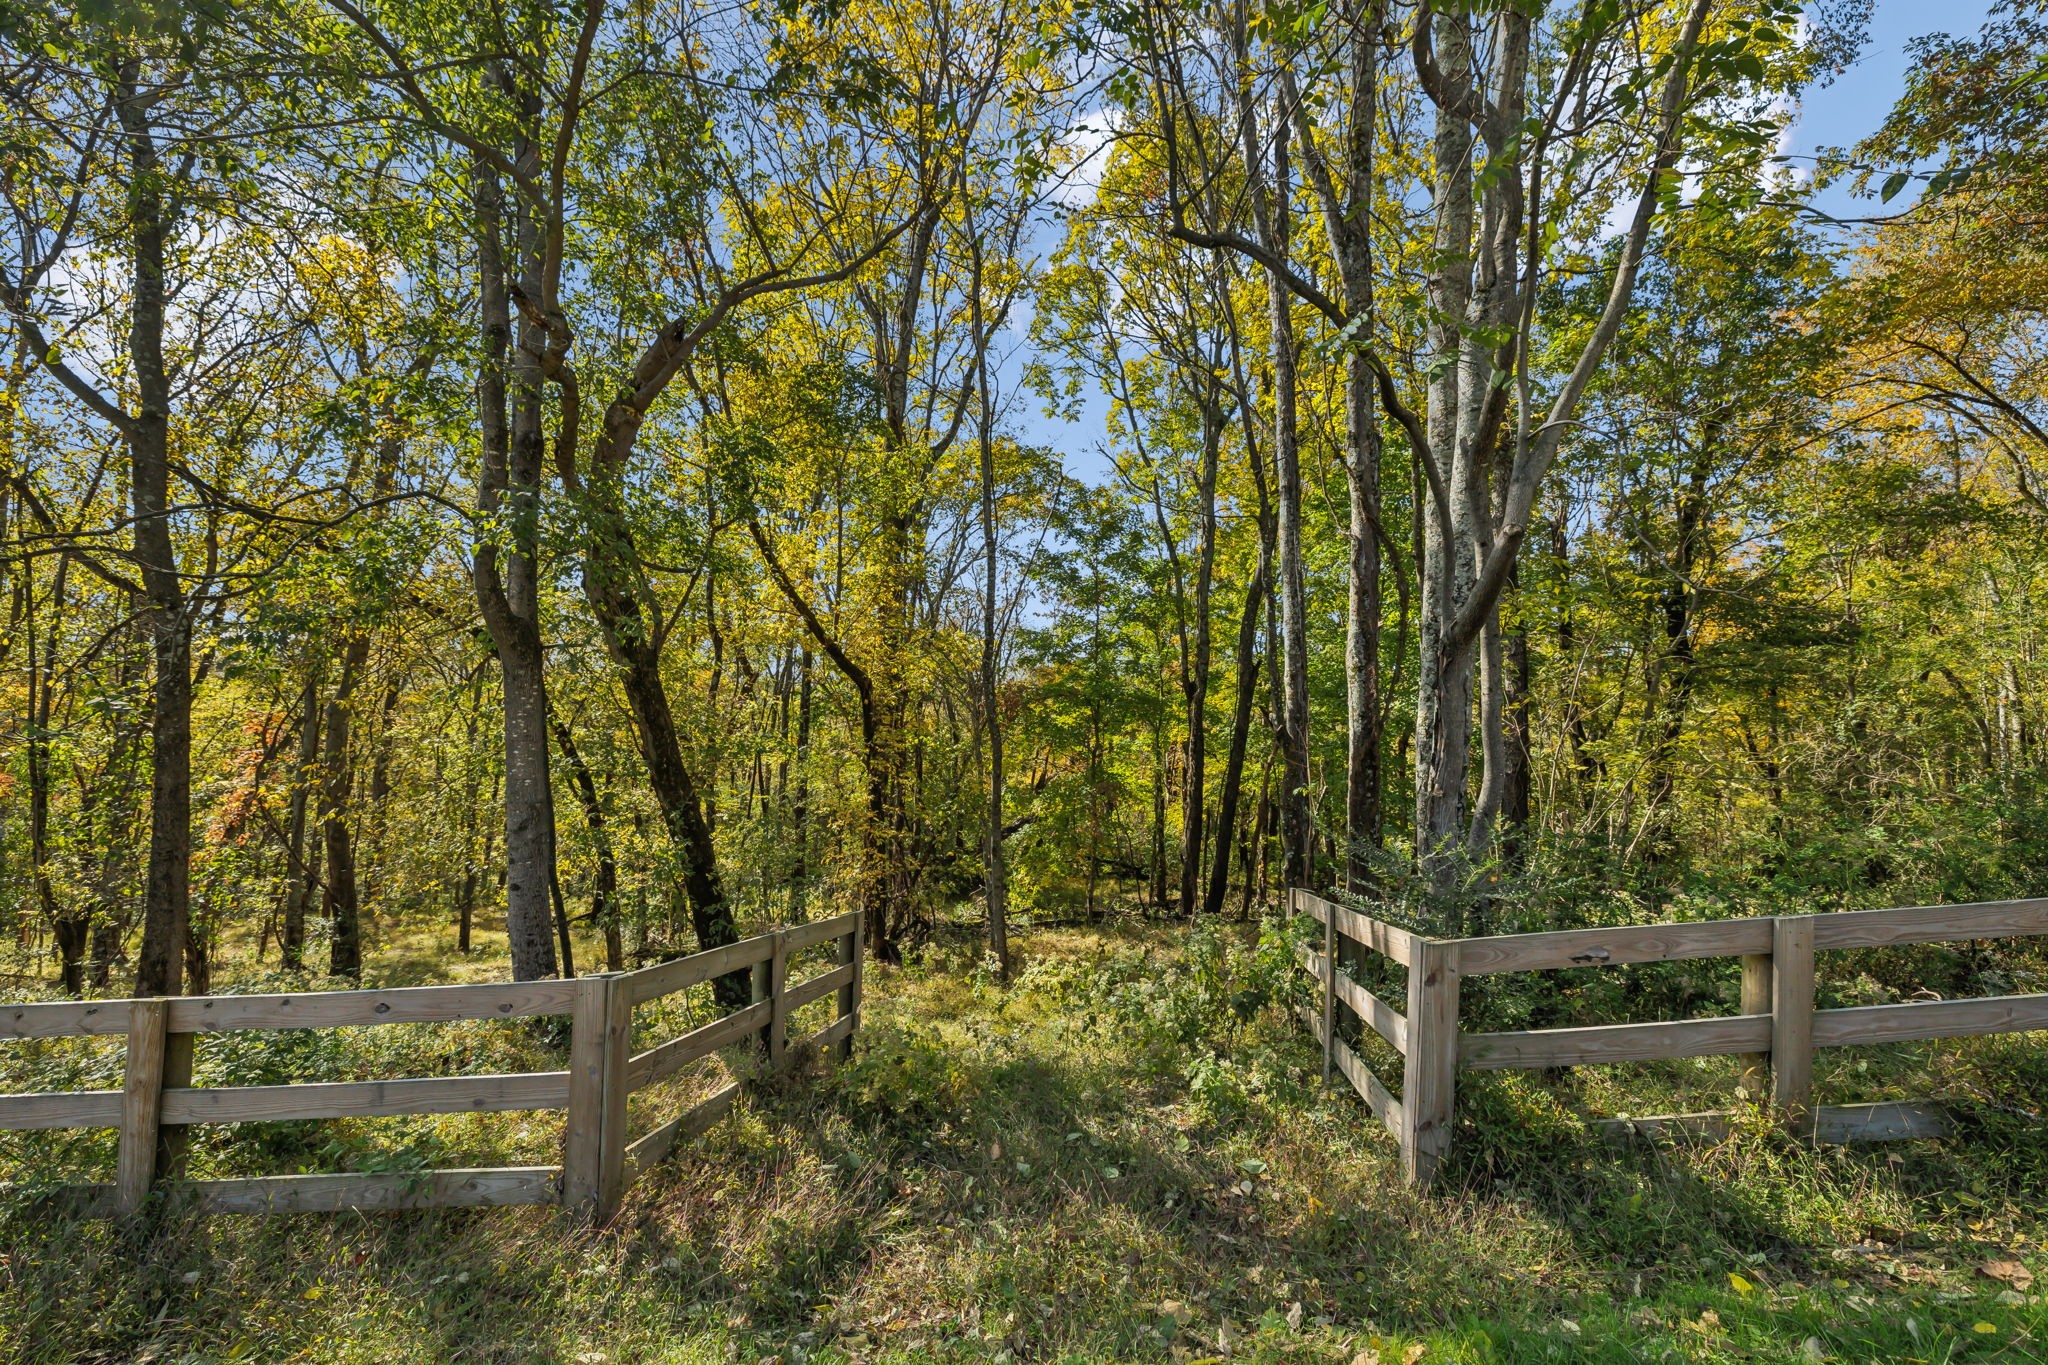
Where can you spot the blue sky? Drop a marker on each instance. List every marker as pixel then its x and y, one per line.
pixel 1857 102
pixel 1835 116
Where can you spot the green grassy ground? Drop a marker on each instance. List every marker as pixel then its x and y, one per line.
pixel 1126 1155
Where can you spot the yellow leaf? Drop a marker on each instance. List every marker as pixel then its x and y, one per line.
pixel 1740 1285
pixel 1985 1327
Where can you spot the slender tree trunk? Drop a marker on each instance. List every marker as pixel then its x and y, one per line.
pixel 1240 730
pixel 299 872
pixel 507 587
pixel 1195 686
pixel 1158 860
pixel 166 882
pixel 800 805
pixel 604 894
pixel 71 925
pixel 340 901
pixel 994 873
pixel 1297 826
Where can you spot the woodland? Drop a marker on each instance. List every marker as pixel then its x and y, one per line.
pixel 535 487
pixel 583 480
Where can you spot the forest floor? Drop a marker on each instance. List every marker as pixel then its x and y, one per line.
pixel 1125 1154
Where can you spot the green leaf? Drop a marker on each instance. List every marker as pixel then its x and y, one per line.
pixel 1893 184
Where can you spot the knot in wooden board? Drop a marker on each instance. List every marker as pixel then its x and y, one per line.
pixel 1592 955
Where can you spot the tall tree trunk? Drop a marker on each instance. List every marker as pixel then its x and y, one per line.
pixel 1195 684
pixel 70 924
pixel 507 586
pixel 604 893
pixel 629 624
pixel 800 804
pixel 1158 858
pixel 1347 206
pixel 1677 610
pixel 166 882
pixel 339 900
pixel 994 873
pixel 1297 825
pixel 1443 710
pixel 1240 729
pixel 299 870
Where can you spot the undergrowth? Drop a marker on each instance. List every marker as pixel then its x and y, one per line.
pixel 1125 1153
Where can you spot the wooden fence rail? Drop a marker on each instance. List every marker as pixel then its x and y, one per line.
pixel 1775 1033
pixel 600 1158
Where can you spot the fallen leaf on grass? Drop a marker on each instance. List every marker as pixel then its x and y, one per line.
pixel 2013 1273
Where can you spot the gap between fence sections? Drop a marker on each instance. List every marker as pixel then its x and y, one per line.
pixel 1775 1033
pixel 600 1158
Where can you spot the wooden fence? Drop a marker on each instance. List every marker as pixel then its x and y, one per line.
pixel 1775 1033
pixel 600 1159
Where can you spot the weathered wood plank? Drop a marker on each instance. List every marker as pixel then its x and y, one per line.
pixel 817 988
pixel 62 1109
pixel 1930 1019
pixel 1930 924
pixel 367 1099
pixel 1381 937
pixel 1377 1097
pixel 1614 1043
pixel 801 936
pixel 1832 1123
pixel 838 1031
pixel 1897 1121
pixel 142 1101
pixel 1792 1019
pixel 347 1009
pixel 692 1123
pixel 1377 1013
pixel 65 1019
pixel 666 978
pixel 1561 948
pixel 660 1062
pixel 453 1189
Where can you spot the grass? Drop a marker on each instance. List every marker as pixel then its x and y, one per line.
pixel 1126 1155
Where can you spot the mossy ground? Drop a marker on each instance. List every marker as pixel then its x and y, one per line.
pixel 1125 1154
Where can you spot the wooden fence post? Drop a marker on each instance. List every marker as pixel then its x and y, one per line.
pixel 584 1139
pixel 618 1045
pixel 778 1008
pixel 1792 1020
pixel 1756 999
pixel 1430 1075
pixel 142 1104
pixel 849 994
pixel 1329 994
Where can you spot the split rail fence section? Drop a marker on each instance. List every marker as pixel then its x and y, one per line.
pixel 1775 1033
pixel 600 1159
